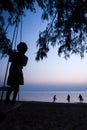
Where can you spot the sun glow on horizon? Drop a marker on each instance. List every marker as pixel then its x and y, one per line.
pixel 57 70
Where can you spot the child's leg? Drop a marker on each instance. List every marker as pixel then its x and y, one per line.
pixel 8 93
pixel 16 89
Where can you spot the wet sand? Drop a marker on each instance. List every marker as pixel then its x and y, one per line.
pixel 45 116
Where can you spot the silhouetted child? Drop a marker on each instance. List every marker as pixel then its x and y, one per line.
pixel 15 78
pixel 68 98
pixel 80 98
pixel 54 98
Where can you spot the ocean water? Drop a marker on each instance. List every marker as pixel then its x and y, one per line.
pixel 25 94
pixel 47 96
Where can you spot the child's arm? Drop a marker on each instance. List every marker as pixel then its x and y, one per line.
pixel 25 61
pixel 11 54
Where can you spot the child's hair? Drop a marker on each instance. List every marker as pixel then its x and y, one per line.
pixel 22 47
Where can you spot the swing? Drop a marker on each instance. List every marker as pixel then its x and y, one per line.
pixel 14 40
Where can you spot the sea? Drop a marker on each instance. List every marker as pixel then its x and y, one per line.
pixel 47 96
pixel 43 94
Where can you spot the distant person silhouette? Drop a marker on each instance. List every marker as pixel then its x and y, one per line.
pixel 68 98
pixel 54 98
pixel 80 98
pixel 18 60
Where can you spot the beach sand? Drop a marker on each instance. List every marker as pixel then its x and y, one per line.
pixel 45 116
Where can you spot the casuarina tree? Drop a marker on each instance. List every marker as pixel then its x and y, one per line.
pixel 66 28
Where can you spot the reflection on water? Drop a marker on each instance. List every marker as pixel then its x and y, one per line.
pixel 48 96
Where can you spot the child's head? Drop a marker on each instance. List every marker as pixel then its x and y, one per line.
pixel 22 47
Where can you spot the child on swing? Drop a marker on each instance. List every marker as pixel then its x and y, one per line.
pixel 18 60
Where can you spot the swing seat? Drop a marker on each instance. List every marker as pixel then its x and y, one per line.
pixel 4 88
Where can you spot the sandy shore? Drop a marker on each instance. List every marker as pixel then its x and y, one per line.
pixel 45 116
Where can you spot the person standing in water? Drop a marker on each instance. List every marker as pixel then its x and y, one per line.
pixel 80 98
pixel 68 98
pixel 54 98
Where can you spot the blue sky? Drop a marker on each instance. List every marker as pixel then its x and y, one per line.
pixel 53 69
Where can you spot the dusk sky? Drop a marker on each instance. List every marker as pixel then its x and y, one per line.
pixel 51 70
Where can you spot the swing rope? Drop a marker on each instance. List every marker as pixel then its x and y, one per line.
pixel 20 41
pixel 21 22
pixel 15 34
pixel 7 26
